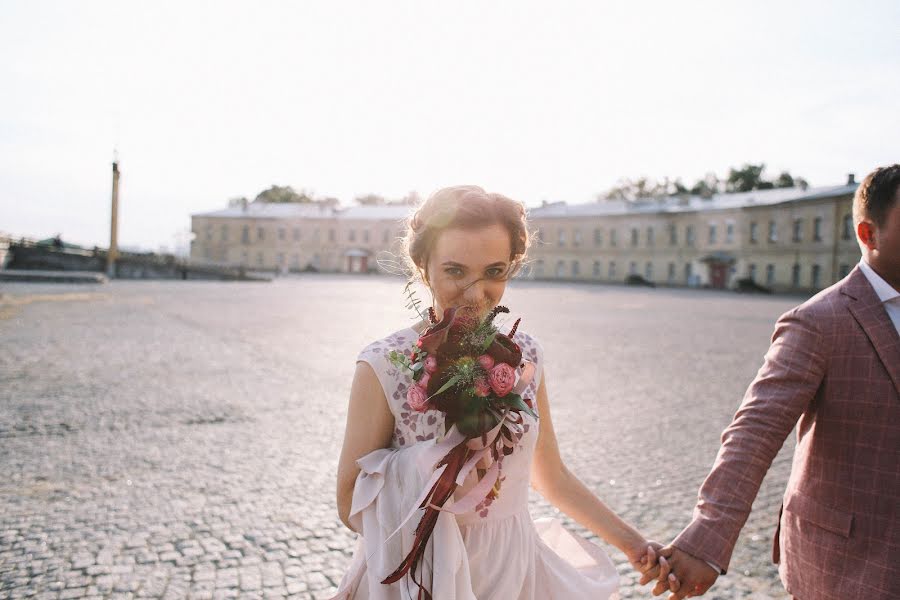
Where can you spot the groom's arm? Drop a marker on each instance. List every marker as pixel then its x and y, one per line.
pixel 783 388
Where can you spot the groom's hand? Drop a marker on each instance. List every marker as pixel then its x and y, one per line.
pixel 695 575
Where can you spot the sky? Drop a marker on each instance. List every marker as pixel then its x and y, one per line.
pixel 205 101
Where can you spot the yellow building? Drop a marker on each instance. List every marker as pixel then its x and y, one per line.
pixel 299 237
pixel 788 239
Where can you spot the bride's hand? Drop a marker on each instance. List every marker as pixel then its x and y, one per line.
pixel 645 556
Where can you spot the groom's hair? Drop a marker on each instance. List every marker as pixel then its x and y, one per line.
pixel 876 195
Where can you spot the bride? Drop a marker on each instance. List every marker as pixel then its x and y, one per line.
pixel 465 244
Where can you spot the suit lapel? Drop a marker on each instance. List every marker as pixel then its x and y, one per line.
pixel 869 312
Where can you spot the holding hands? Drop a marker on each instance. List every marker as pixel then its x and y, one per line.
pixel 676 571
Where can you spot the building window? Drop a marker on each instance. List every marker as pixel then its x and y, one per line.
pixel 753 232
pixel 773 232
pixel 598 237
pixel 576 238
pixel 260 233
pixel 281 233
pixel 847 229
pixel 244 258
pixel 843 271
pixel 729 233
pixel 671 277
pixel 351 235
pixel 331 235
pixel 209 233
pixel 296 234
pixel 795 276
pixel 245 234
pixel 365 236
pixel 816 276
pixel 560 269
pixel 751 272
pixel 224 233
pixel 613 237
pixel 673 235
pixel 648 271
pixel 539 235
pixel 712 233
pixel 634 236
pixel 817 229
pixel 688 273
pixel 650 238
pixel 280 259
pixel 259 258
pixel 539 268
pixel 770 274
pixel 798 230
pixel 689 235
pixel 576 268
pixel 295 261
pixel 596 268
pixel 561 239
pixel 612 269
pixel 632 268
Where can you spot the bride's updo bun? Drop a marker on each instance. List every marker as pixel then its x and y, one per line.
pixel 465 207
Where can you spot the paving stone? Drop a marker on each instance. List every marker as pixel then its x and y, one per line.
pixel 192 450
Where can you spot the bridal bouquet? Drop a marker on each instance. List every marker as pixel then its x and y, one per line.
pixel 474 374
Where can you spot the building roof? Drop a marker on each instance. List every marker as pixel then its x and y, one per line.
pixel 266 210
pixel 679 204
pixel 288 210
pixel 385 211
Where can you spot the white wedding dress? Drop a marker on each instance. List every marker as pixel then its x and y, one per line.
pixel 495 552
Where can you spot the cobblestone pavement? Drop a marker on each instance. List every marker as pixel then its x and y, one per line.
pixel 174 439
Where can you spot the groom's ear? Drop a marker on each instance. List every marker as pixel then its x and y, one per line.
pixel 865 233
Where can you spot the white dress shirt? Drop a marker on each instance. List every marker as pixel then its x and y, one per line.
pixel 887 294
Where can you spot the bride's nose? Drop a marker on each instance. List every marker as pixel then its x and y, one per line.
pixel 474 293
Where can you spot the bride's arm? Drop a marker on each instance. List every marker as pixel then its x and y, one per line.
pixel 370 424
pixel 551 478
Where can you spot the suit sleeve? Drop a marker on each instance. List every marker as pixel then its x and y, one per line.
pixel 782 390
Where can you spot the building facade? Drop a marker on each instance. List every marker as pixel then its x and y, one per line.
pixel 788 240
pixel 300 237
pixel 784 239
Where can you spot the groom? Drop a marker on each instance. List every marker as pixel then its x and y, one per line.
pixel 833 369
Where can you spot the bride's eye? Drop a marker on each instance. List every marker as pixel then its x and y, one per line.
pixel 453 271
pixel 495 272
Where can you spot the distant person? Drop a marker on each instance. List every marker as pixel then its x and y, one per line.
pixel 57 242
pixel 833 369
pixel 466 244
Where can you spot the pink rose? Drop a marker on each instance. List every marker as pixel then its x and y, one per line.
pixel 482 387
pixel 430 364
pixel 417 398
pixel 486 361
pixel 423 380
pixel 502 379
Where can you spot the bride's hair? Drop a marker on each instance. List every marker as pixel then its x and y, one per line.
pixel 465 207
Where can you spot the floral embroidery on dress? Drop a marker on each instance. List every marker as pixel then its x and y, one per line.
pixel 412 426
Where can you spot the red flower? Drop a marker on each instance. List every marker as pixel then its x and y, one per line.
pixel 502 379
pixel 417 398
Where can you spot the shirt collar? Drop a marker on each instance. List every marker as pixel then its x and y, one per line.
pixel 882 288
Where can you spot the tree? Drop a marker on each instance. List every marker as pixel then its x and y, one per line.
pixel 370 200
pixel 784 180
pixel 281 194
pixel 706 187
pixel 237 201
pixel 748 177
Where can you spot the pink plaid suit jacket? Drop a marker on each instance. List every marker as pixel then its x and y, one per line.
pixel 833 369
